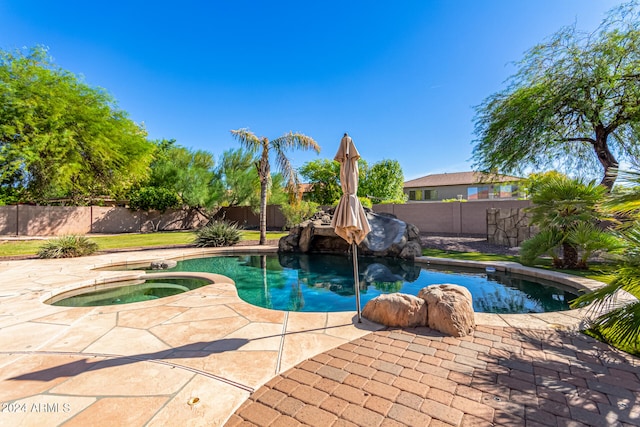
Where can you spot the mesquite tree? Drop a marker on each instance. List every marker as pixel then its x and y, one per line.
pixel 574 103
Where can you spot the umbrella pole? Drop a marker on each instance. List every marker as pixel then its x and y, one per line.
pixel 356 279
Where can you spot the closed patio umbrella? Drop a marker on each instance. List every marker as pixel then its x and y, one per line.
pixel 349 220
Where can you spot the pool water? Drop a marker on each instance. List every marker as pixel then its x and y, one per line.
pixel 325 283
pixel 131 291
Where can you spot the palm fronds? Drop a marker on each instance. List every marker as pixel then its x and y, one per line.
pixel 617 316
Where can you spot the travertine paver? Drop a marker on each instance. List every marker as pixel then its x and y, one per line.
pixel 189 359
pixel 519 377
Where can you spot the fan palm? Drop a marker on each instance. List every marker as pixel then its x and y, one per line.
pixel 566 210
pixel 625 201
pixel 263 147
pixel 619 318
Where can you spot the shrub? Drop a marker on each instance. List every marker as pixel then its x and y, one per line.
pixel 295 213
pixel 218 233
pixel 365 202
pixel 67 247
pixel 157 198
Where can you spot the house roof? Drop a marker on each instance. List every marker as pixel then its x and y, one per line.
pixel 458 178
pixel 305 187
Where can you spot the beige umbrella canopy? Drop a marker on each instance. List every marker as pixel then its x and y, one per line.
pixel 349 220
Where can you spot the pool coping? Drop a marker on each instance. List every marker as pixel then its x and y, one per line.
pixel 574 319
pixel 206 343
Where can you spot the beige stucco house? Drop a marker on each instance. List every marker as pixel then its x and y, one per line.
pixel 462 186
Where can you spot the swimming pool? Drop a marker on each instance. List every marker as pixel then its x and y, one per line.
pixel 324 283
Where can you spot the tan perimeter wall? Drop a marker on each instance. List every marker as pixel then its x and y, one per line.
pixel 448 218
pixel 26 220
pixel 245 217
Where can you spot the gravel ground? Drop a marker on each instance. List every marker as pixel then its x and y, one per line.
pixel 465 244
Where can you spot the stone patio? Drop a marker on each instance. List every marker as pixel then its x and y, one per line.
pixel 499 376
pixel 205 357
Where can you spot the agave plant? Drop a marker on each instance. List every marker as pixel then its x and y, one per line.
pixel 218 233
pixel 69 246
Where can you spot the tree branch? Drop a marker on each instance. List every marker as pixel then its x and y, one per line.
pixel 581 139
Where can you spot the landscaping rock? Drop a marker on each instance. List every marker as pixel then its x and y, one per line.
pixel 397 309
pixel 163 264
pixel 389 237
pixel 449 309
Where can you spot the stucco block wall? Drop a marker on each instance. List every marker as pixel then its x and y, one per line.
pixel 8 220
pixel 26 220
pixel 466 218
pixel 449 218
pixel 53 220
pixel 112 220
pixel 171 220
pixel 245 217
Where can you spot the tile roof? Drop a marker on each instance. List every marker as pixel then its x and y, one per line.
pixel 458 178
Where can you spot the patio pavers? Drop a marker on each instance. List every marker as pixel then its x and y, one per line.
pixel 419 377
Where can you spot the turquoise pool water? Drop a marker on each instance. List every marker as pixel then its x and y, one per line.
pixel 322 283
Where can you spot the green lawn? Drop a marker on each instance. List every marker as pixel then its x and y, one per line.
pixel 123 241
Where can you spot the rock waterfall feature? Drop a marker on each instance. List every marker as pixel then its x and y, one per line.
pixel 389 237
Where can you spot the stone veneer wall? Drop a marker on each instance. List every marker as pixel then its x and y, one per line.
pixel 509 227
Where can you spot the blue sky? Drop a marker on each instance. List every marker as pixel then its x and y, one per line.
pixel 401 77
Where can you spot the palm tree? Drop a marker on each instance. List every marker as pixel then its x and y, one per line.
pixel 566 211
pixel 619 318
pixel 263 146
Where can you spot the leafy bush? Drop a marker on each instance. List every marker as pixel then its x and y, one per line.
pixel 157 198
pixel 295 213
pixel 366 202
pixel 396 201
pixel 70 246
pixel 218 233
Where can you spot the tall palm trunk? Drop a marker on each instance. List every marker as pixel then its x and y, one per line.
pixel 264 172
pixel 263 211
pixel 254 143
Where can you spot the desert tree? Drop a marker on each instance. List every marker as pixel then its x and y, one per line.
pixel 60 137
pixel 574 104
